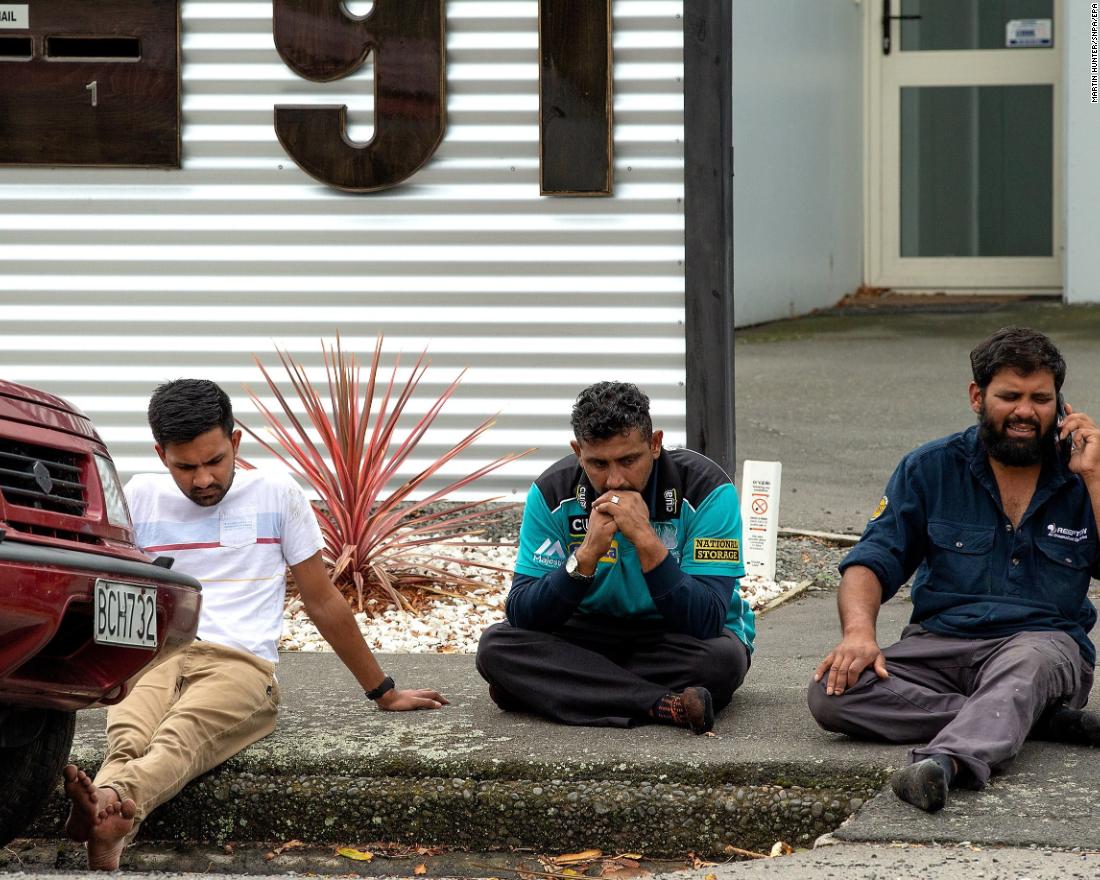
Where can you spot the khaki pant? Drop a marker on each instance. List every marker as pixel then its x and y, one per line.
pixel 184 717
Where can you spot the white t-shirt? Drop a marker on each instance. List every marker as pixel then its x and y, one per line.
pixel 238 549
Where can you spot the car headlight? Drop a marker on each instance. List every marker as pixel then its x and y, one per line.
pixel 118 514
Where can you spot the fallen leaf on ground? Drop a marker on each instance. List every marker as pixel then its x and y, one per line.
pixel 638 856
pixel 710 877
pixel 780 849
pixel 623 869
pixel 388 849
pixel 356 855
pixel 572 858
pixel 745 853
pixel 698 863
pixel 420 869
pixel 710 733
pixel 290 844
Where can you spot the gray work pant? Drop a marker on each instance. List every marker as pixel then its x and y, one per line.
pixel 973 699
pixel 605 672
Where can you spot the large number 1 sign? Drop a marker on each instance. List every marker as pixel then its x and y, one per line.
pixel 321 42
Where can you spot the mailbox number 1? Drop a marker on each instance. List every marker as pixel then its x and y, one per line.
pixel 93 87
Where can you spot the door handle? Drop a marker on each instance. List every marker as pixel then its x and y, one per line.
pixel 887 18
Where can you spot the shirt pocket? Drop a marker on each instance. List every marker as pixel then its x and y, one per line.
pixel 237 528
pixel 959 557
pixel 1062 575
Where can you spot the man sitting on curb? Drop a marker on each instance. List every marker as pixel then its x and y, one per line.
pixel 236 532
pixel 624 605
pixel 1001 520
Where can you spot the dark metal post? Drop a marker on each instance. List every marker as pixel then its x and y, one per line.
pixel 708 220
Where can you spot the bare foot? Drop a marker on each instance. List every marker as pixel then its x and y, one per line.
pixel 114 821
pixel 84 805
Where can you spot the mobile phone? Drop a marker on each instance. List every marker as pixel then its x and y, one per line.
pixel 1065 447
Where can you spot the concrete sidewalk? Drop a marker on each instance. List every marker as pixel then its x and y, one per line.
pixel 471 776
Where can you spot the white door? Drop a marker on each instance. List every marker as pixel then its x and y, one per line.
pixel 964 107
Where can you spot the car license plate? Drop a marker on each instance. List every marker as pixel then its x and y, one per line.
pixel 125 614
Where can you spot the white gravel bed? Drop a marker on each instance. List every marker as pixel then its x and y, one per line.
pixel 453 626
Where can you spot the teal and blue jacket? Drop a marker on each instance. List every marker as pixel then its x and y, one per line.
pixel 978 576
pixel 693 508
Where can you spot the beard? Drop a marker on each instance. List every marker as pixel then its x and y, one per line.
pixel 212 494
pixel 209 496
pixel 1013 451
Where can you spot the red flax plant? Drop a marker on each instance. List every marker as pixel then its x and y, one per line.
pixel 378 543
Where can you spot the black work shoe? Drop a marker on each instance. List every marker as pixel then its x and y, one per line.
pixel 692 707
pixel 1072 726
pixel 923 784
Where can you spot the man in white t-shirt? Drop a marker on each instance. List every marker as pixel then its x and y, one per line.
pixel 236 532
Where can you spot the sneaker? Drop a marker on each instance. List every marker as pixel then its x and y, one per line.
pixel 692 707
pixel 1072 726
pixel 923 784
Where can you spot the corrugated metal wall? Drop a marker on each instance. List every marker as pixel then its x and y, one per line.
pixel 114 280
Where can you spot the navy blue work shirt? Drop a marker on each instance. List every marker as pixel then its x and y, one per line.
pixel 977 576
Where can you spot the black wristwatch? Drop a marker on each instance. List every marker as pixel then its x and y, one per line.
pixel 384 688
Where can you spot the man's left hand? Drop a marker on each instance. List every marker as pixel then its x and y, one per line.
pixel 410 699
pixel 1084 458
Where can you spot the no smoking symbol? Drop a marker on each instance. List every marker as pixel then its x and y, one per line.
pixel 759 506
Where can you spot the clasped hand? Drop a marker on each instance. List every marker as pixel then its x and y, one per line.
pixel 622 510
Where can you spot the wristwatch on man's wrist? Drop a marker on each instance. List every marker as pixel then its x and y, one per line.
pixel 384 688
pixel 574 572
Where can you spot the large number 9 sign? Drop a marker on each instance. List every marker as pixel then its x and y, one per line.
pixel 320 41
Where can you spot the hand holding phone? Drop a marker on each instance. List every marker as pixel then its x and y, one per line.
pixel 1065 445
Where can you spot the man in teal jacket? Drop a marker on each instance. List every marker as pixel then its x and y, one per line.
pixel 624 606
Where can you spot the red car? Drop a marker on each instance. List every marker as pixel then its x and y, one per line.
pixel 82 610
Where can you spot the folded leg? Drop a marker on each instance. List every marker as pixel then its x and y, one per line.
pixel 551 675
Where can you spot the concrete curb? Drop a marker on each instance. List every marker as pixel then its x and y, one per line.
pixel 483 807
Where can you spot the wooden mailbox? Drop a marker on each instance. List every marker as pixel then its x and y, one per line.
pixel 90 83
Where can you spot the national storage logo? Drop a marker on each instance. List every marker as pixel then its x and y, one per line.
pixel 716 550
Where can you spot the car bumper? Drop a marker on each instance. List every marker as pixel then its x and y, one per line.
pixel 48 656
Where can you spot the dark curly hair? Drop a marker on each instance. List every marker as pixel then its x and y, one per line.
pixel 608 409
pixel 1016 348
pixel 182 409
